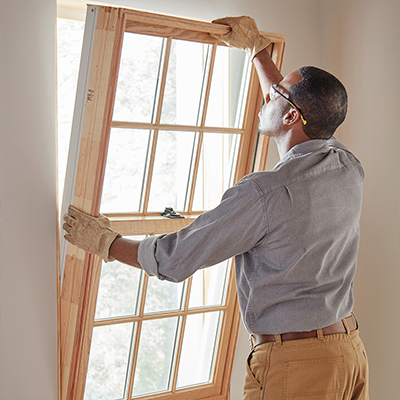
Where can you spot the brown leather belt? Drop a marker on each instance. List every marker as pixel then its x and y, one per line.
pixel 338 327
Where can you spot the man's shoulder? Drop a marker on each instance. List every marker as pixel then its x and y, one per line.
pixel 265 181
pixel 314 158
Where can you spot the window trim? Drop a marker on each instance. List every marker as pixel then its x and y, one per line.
pixel 81 274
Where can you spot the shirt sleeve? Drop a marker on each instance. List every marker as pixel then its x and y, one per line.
pixel 235 226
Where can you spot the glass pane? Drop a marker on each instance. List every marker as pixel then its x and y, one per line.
pixel 171 170
pixel 229 86
pixel 208 285
pixel 154 362
pixel 118 290
pixel 199 345
pixel 108 362
pixel 185 83
pixel 163 296
pixel 216 170
pixel 138 78
pixel 126 163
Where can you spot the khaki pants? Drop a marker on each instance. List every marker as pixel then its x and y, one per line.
pixel 327 367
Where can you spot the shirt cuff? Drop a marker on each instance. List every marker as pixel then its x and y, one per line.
pixel 146 256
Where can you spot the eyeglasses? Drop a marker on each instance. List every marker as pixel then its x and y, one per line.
pixel 272 95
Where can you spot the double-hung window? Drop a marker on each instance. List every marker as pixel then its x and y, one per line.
pixel 165 117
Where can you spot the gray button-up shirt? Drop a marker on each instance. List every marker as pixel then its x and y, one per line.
pixel 294 232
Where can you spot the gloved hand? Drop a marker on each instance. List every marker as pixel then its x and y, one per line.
pixel 89 233
pixel 244 35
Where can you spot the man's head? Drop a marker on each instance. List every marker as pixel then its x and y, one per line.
pixel 322 99
pixel 310 98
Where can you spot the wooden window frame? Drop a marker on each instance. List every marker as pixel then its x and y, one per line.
pixel 80 272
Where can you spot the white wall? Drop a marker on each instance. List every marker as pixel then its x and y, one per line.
pixel 360 42
pixel 356 40
pixel 28 201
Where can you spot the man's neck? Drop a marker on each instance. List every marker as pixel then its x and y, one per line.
pixel 288 141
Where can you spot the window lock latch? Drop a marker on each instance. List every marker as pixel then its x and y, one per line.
pixel 169 212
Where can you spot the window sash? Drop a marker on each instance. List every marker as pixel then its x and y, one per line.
pixel 97 83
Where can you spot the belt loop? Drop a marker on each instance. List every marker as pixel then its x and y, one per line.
pixel 278 340
pixel 251 341
pixel 355 318
pixel 320 335
pixel 346 326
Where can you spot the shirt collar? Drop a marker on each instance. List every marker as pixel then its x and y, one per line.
pixel 311 146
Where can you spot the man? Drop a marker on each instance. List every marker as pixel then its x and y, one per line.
pixel 294 232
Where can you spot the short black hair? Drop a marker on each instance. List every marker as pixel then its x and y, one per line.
pixel 322 99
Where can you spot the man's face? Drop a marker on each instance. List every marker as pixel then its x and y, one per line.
pixel 271 114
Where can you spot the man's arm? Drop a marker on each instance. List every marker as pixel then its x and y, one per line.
pixel 244 35
pixel 231 228
pixel 266 71
pixel 125 251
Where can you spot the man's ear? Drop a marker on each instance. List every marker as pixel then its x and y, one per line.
pixel 291 117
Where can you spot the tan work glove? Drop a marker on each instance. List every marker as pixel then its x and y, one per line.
pixel 244 35
pixel 89 233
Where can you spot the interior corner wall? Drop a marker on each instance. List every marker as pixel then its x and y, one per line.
pixel 360 43
pixel 28 324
